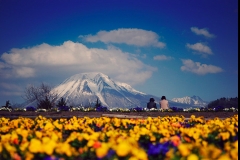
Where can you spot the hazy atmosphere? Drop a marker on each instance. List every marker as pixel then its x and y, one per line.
pixel 172 48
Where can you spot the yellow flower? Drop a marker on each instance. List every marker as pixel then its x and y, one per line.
pixel 102 151
pixel 38 134
pixel 234 153
pixel 64 148
pixel 140 154
pixel 49 126
pixel 224 157
pixel 154 128
pixel 10 148
pixel 90 143
pixel 1 147
pixel 4 129
pixel 49 146
pixel 29 156
pixel 56 124
pixel 192 157
pixel 133 158
pixel 193 116
pixel 55 136
pixel 35 146
pixel 23 133
pixel 94 136
pixel 123 149
pixel 183 149
pixel 24 146
pixel 152 138
pixel 224 135
pixel 235 144
pixel 170 153
pixel 144 131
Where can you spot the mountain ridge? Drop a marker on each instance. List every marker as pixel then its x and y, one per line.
pixel 194 100
pixel 85 88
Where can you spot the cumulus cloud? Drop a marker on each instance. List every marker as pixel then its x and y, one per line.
pixel 203 32
pixel 130 36
pixel 198 68
pixel 201 48
pixel 71 57
pixel 162 57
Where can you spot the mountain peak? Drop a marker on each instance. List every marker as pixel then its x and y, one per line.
pixel 86 88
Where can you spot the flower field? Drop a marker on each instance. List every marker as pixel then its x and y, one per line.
pixel 114 138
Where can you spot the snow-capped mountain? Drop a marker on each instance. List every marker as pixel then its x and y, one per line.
pixel 194 100
pixel 85 88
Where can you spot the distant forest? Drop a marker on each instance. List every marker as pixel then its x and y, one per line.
pixel 224 102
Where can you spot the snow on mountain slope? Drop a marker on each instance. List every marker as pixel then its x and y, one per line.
pixel 86 88
pixel 127 87
pixel 194 100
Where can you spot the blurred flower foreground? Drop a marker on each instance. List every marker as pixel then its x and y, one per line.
pixel 105 138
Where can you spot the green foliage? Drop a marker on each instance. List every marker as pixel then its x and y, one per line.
pixel 224 102
pixel 61 103
pixel 45 104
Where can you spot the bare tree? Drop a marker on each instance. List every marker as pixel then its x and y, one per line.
pixel 40 94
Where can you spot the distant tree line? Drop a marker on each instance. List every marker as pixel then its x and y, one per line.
pixel 224 102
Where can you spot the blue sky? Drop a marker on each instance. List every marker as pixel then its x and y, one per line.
pixel 172 48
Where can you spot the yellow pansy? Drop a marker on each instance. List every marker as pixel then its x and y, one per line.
pixel 102 151
pixel 184 149
pixel 123 149
pixel 38 134
pixel 225 157
pixel 35 146
pixel 49 146
pixel 192 157
pixel 224 135
pixel 29 156
pixel 234 153
pixel 139 153
pixel 90 143
pixel 24 146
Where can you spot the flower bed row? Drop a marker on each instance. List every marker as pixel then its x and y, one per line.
pixel 113 138
pixel 105 109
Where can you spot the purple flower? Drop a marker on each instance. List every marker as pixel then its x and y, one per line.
pixel 138 109
pixel 30 108
pixel 64 108
pixel 158 148
pixel 101 108
pixel 51 158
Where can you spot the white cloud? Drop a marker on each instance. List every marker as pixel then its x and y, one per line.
pixel 70 57
pixel 198 68
pixel 25 72
pixel 203 32
pixel 10 89
pixel 130 36
pixel 162 57
pixel 2 65
pixel 199 47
